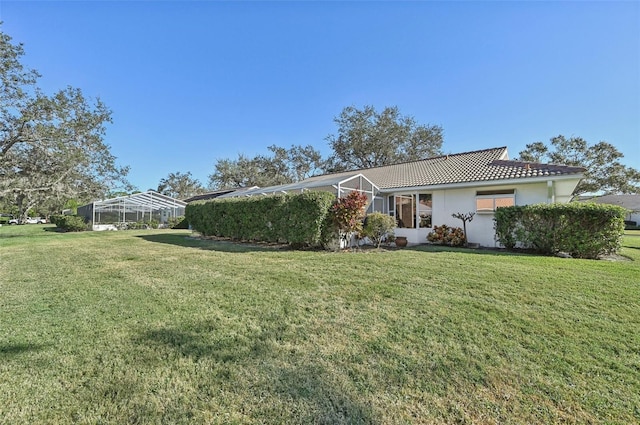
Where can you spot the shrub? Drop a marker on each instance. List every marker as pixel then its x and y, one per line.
pixel 378 227
pixel 298 219
pixel 70 223
pixel 584 230
pixel 308 214
pixel 4 218
pixel 178 222
pixel 347 213
pixel 54 218
pixel 507 224
pixel 447 235
pixel 139 225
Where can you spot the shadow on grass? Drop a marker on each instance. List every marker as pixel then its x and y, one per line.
pixel 53 229
pixel 10 350
pixel 278 372
pixel 230 246
pixel 205 340
pixel 332 403
pixel 496 252
pixel 209 245
pixel 185 240
pixel 474 251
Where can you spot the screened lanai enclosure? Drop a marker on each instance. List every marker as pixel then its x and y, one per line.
pixel 340 185
pixel 129 211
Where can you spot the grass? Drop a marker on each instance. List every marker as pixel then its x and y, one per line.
pixel 155 327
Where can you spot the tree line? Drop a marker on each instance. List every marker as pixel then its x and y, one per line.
pixel 366 138
pixel 361 143
pixel 53 152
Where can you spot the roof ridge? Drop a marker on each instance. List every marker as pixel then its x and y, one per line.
pixel 359 170
pixel 448 155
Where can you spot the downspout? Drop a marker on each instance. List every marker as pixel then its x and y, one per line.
pixel 417 210
pixel 551 192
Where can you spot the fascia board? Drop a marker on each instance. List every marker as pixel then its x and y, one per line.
pixel 483 183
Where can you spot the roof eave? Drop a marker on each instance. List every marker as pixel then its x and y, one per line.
pixel 480 183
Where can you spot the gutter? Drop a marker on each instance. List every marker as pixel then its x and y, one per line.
pixel 483 183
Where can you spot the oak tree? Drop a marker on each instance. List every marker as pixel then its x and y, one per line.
pixel 281 167
pixel 367 138
pixel 604 172
pixel 51 146
pixel 180 185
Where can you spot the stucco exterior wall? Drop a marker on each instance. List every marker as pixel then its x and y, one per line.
pixel 463 200
pixel 480 229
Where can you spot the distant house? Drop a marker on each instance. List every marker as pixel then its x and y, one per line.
pixel 630 202
pixel 424 193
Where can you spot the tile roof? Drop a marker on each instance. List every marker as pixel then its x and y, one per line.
pixel 477 166
pixel 631 202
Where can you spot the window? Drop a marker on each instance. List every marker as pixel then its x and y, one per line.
pixel 377 205
pixel 487 201
pixel 410 214
pixel 425 209
pixel 406 211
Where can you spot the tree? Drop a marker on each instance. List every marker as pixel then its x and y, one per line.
pixel 466 218
pixel 180 185
pixel 367 138
pixel 243 172
pixel 298 162
pixel 604 171
pixel 282 167
pixel 51 147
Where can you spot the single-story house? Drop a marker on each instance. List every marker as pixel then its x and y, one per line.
pixel 630 202
pixel 425 193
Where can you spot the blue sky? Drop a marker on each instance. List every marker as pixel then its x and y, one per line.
pixel 195 81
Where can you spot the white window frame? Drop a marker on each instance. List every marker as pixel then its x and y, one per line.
pixel 494 195
pixel 419 210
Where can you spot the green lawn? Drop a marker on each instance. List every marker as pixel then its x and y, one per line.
pixel 155 327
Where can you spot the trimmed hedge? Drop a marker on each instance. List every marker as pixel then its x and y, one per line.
pixel 70 223
pixel 300 219
pixel 584 230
